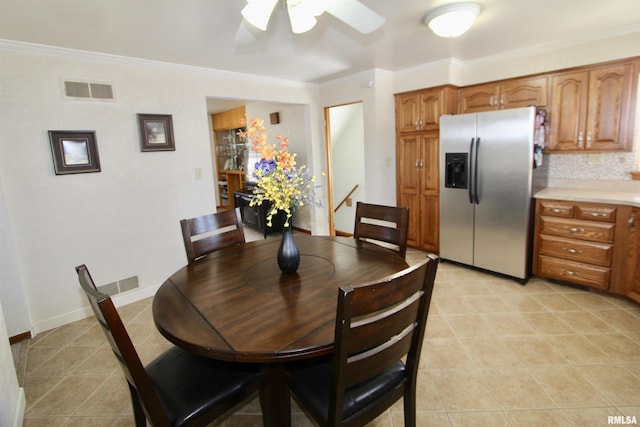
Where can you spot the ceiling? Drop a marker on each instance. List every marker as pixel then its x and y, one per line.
pixel 202 33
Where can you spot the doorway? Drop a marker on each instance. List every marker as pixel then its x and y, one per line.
pixel 345 165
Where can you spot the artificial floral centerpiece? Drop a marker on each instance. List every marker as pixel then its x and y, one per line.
pixel 279 180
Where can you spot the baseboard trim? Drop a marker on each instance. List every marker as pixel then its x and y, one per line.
pixel 85 312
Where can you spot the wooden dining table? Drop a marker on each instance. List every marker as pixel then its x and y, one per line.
pixel 235 305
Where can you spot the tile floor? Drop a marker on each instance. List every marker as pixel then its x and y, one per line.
pixel 495 354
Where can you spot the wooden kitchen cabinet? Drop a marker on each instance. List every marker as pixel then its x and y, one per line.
pixel 418 161
pixel 420 111
pixel 591 109
pixel 633 270
pixel 514 93
pixel 418 187
pixel 581 243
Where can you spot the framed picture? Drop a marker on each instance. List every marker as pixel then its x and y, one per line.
pixel 74 151
pixel 156 132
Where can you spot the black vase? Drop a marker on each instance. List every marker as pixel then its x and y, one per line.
pixel 288 253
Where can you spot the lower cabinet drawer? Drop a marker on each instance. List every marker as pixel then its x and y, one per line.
pixel 585 230
pixel 574 272
pixel 576 250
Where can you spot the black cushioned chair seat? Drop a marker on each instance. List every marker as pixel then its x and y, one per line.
pixel 312 383
pixel 184 383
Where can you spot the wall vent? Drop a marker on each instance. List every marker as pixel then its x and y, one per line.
pixel 121 285
pixel 128 283
pixel 110 289
pixel 77 89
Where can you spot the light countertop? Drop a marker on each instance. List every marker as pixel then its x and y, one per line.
pixel 616 192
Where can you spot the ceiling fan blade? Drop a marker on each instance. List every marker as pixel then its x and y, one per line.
pixel 258 12
pixel 244 35
pixel 355 14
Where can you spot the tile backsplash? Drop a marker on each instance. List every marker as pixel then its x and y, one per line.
pixel 605 166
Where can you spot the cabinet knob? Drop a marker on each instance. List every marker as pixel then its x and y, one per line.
pixel 589 139
pixel 572 251
pixel 556 210
pixel 580 139
pixel 574 229
pixel 596 214
pixel 570 272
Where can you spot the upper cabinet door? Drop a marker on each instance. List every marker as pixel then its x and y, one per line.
pixel 569 111
pixel 591 110
pixel 431 110
pixel 524 92
pixel 478 98
pixel 421 111
pixel 609 97
pixel 408 113
pixel 514 93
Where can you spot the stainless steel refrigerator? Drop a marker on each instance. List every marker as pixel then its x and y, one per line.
pixel 486 179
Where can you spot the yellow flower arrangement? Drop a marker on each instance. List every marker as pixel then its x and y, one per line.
pixel 279 181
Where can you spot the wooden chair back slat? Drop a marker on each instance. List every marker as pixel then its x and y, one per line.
pixel 380 223
pixel 208 233
pixel 369 334
pixel 378 359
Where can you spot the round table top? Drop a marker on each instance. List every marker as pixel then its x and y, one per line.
pixel 236 305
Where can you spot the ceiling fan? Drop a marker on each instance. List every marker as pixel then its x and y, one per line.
pixel 303 13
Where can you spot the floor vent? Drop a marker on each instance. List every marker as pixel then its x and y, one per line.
pixel 88 90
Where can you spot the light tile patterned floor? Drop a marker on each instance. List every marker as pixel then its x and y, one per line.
pixel 495 354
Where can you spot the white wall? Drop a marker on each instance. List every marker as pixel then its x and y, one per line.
pixel 122 221
pixel 12 397
pixel 374 88
pixel 347 161
pixel 12 296
pixel 294 124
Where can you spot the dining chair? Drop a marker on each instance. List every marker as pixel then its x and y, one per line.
pixel 178 388
pixel 207 233
pixel 377 229
pixel 378 324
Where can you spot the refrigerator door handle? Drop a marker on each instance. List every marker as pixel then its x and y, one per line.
pixel 471 198
pixel 476 198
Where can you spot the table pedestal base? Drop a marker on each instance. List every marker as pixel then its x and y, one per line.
pixel 274 396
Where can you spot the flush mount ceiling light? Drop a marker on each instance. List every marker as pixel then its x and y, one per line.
pixel 303 13
pixel 452 20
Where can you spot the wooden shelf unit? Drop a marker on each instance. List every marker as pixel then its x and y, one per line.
pixel 230 149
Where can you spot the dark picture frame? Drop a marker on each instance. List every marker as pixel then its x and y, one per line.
pixel 74 151
pixel 156 132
